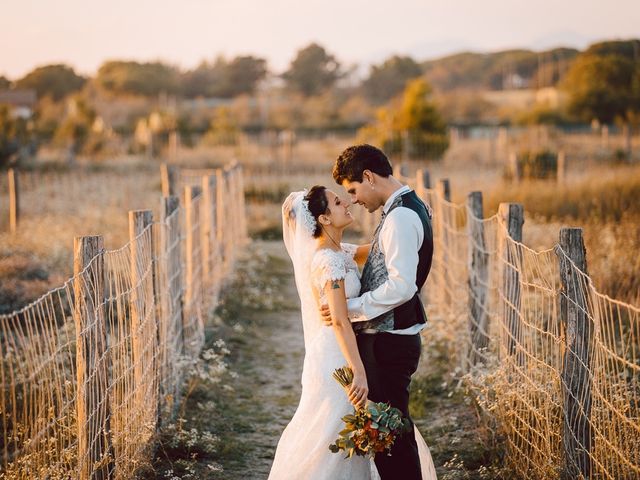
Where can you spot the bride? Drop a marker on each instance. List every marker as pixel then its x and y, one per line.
pixel 326 272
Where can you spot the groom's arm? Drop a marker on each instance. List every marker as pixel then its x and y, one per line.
pixel 400 239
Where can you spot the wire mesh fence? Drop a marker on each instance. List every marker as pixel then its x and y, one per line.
pixel 91 369
pixel 552 363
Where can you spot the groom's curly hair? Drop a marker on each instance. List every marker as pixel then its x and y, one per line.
pixel 358 158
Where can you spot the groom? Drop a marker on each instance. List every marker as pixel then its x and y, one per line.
pixel 388 315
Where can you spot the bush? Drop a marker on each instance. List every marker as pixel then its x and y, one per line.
pixel 541 164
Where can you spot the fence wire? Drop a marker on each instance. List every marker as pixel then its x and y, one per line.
pixel 91 369
pixel 554 369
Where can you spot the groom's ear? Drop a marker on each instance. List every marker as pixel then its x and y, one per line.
pixel 367 176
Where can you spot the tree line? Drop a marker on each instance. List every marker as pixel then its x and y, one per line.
pixel 405 101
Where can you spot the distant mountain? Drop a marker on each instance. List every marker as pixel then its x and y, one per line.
pixel 567 38
pixel 499 70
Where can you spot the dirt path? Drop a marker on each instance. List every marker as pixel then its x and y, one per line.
pixel 260 323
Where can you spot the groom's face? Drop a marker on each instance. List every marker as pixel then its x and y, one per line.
pixel 363 194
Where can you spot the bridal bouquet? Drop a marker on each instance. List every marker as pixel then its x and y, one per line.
pixel 371 429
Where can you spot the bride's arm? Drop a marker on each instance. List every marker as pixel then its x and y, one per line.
pixel 347 340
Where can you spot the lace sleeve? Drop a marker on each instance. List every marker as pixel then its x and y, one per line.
pixel 328 265
pixel 350 249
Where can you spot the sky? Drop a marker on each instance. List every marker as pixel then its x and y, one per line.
pixel 85 33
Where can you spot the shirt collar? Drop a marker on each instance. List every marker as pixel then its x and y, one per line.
pixel 400 191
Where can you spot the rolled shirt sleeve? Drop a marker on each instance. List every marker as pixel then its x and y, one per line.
pixel 400 239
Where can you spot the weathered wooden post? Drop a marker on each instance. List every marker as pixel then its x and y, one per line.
pixel 561 175
pixel 144 334
pixel 169 287
pixel 191 284
pixel 169 178
pixel 206 228
pixel 232 204
pixel 14 200
pixel 236 208
pixel 174 142
pixel 514 167
pixel 443 221
pixel 478 279
pixel 423 180
pixel 510 255
pixel 604 139
pixel 95 449
pixel 577 437
pixel 243 207
pixel 221 220
pixel 444 188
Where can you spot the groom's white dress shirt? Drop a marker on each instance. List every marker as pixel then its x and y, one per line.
pixel 400 239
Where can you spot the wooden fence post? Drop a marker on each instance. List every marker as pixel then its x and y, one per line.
pixel 190 192
pixel 170 323
pixel 174 142
pixel 231 198
pixel 514 167
pixel 169 178
pixel 443 220
pixel 561 174
pixel 95 450
pixel 511 256
pixel 478 278
pixel 14 200
pixel 243 208
pixel 221 223
pixel 444 188
pixel 423 182
pixel 144 333
pixel 206 228
pixel 577 438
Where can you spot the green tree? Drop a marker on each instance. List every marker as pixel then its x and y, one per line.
pixel 223 129
pixel 602 87
pixel 387 80
pixel 14 134
pixel 224 78
pixel 74 131
pixel 57 81
pixel 605 87
pixel 414 126
pixel 243 74
pixel 625 48
pixel 5 83
pixel 202 81
pixel 147 79
pixel 312 71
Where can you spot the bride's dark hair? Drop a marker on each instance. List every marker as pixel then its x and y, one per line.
pixel 318 204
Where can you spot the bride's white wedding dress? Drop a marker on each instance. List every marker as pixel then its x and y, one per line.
pixel 303 449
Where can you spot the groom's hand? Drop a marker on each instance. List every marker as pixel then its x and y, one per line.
pixel 325 314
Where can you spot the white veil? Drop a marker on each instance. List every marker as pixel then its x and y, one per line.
pixel 297 228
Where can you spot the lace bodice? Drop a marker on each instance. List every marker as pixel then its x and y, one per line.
pixel 330 264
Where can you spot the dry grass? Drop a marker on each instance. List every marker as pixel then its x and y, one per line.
pixel 601 198
pixel 54 210
pixel 606 195
pixel 605 204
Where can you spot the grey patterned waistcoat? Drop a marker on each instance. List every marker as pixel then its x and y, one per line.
pixel 375 271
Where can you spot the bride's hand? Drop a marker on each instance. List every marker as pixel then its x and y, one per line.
pixel 359 390
pixel 325 314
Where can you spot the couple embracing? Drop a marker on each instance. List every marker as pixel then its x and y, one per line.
pixel 370 322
